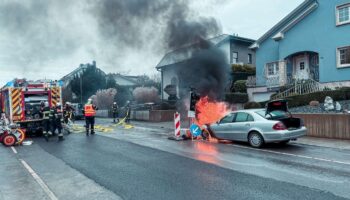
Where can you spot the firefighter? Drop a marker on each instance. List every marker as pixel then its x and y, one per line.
pixel 115 111
pixel 56 120
pixel 68 112
pixel 128 110
pixel 45 112
pixel 89 113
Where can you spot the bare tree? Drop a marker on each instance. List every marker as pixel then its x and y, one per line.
pixel 104 98
pixel 146 94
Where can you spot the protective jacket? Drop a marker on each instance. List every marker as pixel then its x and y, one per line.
pixel 89 110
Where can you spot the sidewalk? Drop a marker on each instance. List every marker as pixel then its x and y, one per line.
pixel 322 142
pixel 325 142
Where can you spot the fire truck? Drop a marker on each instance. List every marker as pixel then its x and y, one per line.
pixel 21 100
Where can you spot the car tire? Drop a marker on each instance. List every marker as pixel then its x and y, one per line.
pixel 255 139
pixel 9 140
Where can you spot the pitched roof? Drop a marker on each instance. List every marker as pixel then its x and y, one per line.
pixel 299 13
pixel 184 53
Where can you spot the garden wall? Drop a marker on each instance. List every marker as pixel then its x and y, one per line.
pixel 335 126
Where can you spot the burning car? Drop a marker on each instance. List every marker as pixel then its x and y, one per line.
pixel 260 126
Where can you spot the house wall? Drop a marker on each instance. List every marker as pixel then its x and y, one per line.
pixel 167 74
pixel 317 32
pixel 267 52
pixel 243 51
pixel 225 47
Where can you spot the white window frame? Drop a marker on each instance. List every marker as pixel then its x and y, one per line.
pixel 233 58
pixel 275 66
pixel 338 23
pixel 250 58
pixel 338 58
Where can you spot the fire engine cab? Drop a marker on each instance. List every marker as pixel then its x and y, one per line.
pixel 21 100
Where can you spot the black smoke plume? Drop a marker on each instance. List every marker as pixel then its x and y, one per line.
pixel 207 71
pixel 137 22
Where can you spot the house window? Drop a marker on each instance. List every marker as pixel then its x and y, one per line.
pixel 272 69
pixel 314 60
pixel 302 65
pixel 250 58
pixel 343 14
pixel 343 56
pixel 234 57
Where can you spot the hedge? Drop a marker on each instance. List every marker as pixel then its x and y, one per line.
pixel 240 86
pixel 236 97
pixel 302 100
pixel 251 105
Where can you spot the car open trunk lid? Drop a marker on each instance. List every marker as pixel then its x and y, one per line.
pixel 282 105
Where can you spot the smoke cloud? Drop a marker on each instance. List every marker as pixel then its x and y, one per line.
pixel 207 71
pixel 38 36
pixel 134 23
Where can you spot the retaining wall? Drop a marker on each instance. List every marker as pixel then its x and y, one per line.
pixel 336 126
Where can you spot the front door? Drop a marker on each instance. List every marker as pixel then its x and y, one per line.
pixel 302 68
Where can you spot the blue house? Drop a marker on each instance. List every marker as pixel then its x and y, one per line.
pixel 311 43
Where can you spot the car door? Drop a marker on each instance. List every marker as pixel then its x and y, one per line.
pixel 241 125
pixel 222 129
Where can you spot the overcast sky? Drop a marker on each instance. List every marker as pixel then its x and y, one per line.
pixel 48 39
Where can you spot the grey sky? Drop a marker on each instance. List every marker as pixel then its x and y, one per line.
pixel 48 38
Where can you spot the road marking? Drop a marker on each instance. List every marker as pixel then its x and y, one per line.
pixel 14 150
pixel 39 181
pixel 294 155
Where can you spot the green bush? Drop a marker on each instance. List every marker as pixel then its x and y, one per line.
pixel 302 100
pixel 236 97
pixel 240 86
pixel 251 105
pixel 243 68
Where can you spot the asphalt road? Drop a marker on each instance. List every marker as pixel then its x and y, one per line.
pixel 144 164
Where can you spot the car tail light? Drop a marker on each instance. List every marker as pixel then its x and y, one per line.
pixel 279 126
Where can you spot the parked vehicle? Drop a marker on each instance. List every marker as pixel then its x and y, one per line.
pixel 21 101
pixel 78 111
pixel 260 126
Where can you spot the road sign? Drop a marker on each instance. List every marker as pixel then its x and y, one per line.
pixel 195 130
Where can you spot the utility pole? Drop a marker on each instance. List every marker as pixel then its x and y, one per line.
pixel 81 88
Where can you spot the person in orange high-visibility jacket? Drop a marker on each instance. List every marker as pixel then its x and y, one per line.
pixel 89 113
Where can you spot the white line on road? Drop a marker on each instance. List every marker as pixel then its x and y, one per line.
pixel 294 155
pixel 14 150
pixel 39 181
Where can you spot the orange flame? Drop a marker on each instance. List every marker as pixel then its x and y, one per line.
pixel 209 111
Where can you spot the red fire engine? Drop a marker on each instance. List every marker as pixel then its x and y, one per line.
pixel 21 100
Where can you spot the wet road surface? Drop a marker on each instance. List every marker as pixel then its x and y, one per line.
pixel 142 163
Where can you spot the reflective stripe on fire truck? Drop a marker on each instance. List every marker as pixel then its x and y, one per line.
pixel 16 96
pixel 55 96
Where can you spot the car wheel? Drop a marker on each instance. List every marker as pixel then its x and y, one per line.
pixel 9 140
pixel 255 140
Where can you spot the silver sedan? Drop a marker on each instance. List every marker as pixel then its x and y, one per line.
pixel 256 126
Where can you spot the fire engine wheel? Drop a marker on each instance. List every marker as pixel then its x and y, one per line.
pixel 9 140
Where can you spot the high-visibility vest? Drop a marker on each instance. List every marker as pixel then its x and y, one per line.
pixel 89 110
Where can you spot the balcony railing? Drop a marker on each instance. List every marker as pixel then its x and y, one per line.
pixel 270 82
pixel 251 81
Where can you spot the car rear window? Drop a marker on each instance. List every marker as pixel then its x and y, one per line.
pixel 274 114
